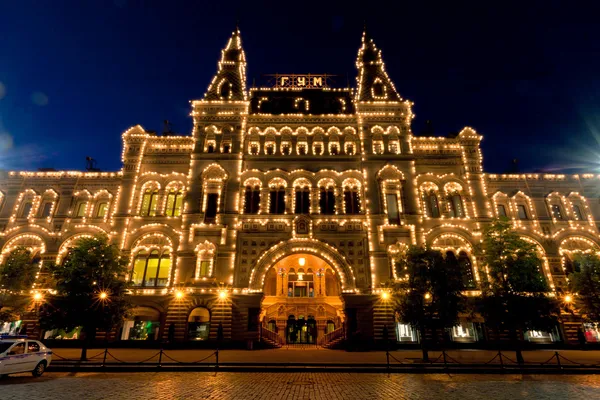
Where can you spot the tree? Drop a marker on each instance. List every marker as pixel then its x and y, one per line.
pixel 584 281
pixel 90 291
pixel 432 292
pixel 515 297
pixel 17 274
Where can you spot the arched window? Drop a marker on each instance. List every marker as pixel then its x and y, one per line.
pixel 351 200
pixel 46 210
pixel 151 270
pixel 334 148
pixel 302 205
pixel 26 209
pixel 456 206
pixel 149 202
pixel 277 200
pixel 466 269
pixel 378 89
pixel 431 203
pixel 254 148
pixel 577 212
pixel 199 324
pixel 210 148
pixel 80 210
pixel 225 91
pixel 174 201
pixel 301 148
pixel 101 210
pixel 557 212
pixel 350 148
pixel 327 200
pixel 285 148
pixel 252 200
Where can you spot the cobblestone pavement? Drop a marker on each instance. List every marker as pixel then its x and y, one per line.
pixel 274 386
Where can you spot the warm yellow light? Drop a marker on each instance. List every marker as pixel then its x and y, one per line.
pixel 223 294
pixel 302 261
pixel 427 296
pixel 568 298
pixel 385 295
pixel 37 296
pixel 103 295
pixel 179 294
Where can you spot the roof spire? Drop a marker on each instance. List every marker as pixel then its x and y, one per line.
pixel 230 81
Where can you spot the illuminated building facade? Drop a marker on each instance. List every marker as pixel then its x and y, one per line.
pixel 287 207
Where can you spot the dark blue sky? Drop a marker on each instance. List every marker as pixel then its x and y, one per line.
pixel 75 75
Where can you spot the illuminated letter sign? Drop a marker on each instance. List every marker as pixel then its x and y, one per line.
pixel 307 81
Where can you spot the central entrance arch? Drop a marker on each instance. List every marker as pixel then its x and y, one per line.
pixel 302 299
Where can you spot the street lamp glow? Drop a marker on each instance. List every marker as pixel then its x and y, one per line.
pixel 179 294
pixel 385 295
pixel 103 295
pixel 568 298
pixel 302 261
pixel 37 296
pixel 223 294
pixel 427 296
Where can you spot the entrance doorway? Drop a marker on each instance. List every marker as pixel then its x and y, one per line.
pixel 301 330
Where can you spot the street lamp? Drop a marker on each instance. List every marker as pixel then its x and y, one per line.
pixel 222 294
pixel 103 295
pixel 37 296
pixel 179 295
pixel 427 296
pixel 385 295
pixel 568 298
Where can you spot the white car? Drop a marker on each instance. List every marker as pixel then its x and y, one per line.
pixel 19 354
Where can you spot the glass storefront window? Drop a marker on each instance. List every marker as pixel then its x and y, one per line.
pixel 542 336
pixel 61 334
pixel 405 333
pixel 10 328
pixel 140 330
pixel 464 332
pixel 592 333
pixel 199 324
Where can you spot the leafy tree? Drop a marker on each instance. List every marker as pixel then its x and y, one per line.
pixel 432 297
pixel 17 274
pixel 515 298
pixel 584 281
pixel 90 291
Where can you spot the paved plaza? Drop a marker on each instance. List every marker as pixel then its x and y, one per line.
pixel 274 386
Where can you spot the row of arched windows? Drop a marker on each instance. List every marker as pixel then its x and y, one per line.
pixel 277 200
pixel 149 203
pixel 82 207
pixel 455 205
pixel 303 147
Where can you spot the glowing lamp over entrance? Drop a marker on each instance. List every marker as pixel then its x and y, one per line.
pixel 302 261
pixel 223 294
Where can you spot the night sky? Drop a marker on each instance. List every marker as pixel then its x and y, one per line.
pixel 75 75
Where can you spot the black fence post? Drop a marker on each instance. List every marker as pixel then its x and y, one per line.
pixel 557 359
pixel 501 362
pixel 444 356
pixel 160 357
pixel 217 356
pixel 104 359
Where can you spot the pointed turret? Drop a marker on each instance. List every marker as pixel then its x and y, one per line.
pixel 373 82
pixel 230 81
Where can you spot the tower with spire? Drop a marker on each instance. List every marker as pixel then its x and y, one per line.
pixel 229 83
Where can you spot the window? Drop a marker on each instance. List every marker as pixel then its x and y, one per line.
pixel 102 208
pixel 431 203
pixel 351 201
pixel 577 212
pixel 204 268
pixel 46 210
pixel 392 208
pixel 151 270
pixel 277 200
pixel 302 205
pixel 327 201
pixel 318 149
pixel 252 200
pixel 466 269
pixel 33 347
pixel 210 148
pixel 270 149
pixel 80 213
pixel 522 211
pixel 199 324
pixel 405 333
pixel 501 210
pixel 211 208
pixel 18 348
pixel 350 149
pixel 334 149
pixel 557 212
pixel 378 147
pixel 393 147
pixel 302 149
pixel 149 202
pixel 227 148
pixel 26 209
pixel 285 149
pixel 301 284
pixel 225 91
pixel 174 201
pixel 254 149
pixel 457 206
pixel 378 90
